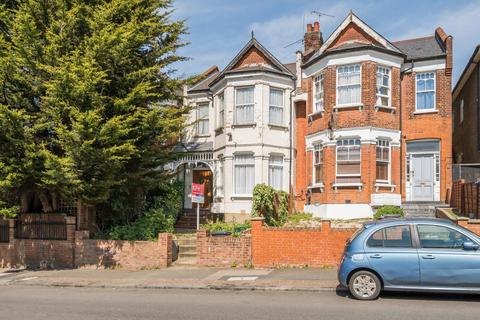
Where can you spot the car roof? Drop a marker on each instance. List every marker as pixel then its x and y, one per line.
pixel 397 221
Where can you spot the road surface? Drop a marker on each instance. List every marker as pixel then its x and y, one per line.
pixel 26 302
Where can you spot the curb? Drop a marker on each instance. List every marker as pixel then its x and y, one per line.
pixel 184 287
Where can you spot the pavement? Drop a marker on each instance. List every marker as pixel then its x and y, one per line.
pixel 311 280
pixel 54 303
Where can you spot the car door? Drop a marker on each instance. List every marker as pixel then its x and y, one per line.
pixel 443 261
pixel 391 253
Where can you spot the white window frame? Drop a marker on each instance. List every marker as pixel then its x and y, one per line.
pixel 221 110
pixel 434 108
pixel 317 148
pixel 244 105
pixel 319 93
pixel 357 143
pixel 383 70
pixel 384 144
pixel 235 165
pixel 204 119
pixel 272 164
pixel 352 104
pixel 282 107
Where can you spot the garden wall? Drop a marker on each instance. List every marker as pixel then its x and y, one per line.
pixel 319 247
pixel 128 255
pixel 225 251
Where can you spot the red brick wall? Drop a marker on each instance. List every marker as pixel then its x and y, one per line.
pixel 272 247
pixel 254 56
pixel 223 251
pixel 128 255
pixel 353 33
pixel 300 154
pixel 472 225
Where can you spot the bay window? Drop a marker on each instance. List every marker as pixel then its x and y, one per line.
pixel 244 174
pixel 276 106
pixel 349 85
pixel 202 119
pixel 348 161
pixel 318 94
pixel 317 164
pixel 221 110
pixel 275 172
pixel 383 161
pixel 383 86
pixel 244 105
pixel 425 91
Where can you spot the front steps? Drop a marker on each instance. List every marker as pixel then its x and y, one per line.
pixel 422 209
pixel 187 249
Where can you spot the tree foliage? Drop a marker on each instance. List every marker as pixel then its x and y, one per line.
pixel 89 107
pixel 270 204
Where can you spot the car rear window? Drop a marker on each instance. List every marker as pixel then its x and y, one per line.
pixel 391 237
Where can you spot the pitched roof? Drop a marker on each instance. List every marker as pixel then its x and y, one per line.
pixel 472 62
pixel 275 67
pixel 381 43
pixel 421 48
pixel 205 79
pixel 292 67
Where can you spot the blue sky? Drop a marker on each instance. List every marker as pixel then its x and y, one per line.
pixel 218 29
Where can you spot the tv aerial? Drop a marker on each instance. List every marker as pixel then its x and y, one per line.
pixel 318 14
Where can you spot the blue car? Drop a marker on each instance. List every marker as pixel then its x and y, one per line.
pixel 411 255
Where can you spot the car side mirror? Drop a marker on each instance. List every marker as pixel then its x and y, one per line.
pixel 468 245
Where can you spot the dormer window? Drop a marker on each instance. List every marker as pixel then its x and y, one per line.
pixel 383 87
pixel 349 85
pixel 318 94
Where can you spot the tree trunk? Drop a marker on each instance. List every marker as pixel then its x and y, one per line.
pixel 44 199
pixel 25 198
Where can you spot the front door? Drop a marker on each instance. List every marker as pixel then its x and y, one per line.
pixel 422 177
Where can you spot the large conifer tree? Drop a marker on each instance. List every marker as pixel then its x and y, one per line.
pixel 88 103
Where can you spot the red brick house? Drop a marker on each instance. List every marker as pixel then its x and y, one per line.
pixel 373 121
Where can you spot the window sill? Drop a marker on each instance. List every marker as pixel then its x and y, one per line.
pixel 244 125
pixel 358 185
pixel 277 127
pixel 316 114
pixel 348 106
pixel 392 109
pixel 426 111
pixel 241 196
pixel 202 136
pixel 316 186
pixel 379 185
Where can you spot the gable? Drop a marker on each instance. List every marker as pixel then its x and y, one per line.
pixel 353 33
pixel 254 58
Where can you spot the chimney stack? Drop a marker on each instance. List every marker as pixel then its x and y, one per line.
pixel 313 39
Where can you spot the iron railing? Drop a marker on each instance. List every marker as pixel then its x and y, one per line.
pixel 4 231
pixel 41 230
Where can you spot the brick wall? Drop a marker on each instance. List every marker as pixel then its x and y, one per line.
pixel 223 251
pixel 128 255
pixel 472 225
pixel 79 251
pixel 320 247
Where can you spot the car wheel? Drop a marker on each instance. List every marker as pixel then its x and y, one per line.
pixel 364 285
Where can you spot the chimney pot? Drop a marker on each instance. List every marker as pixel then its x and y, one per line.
pixel 316 26
pixel 309 27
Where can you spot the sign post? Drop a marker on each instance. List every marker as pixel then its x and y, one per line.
pixel 198 196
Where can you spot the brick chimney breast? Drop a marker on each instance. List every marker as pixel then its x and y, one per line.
pixel 313 39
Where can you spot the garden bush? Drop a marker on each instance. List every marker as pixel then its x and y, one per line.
pixel 236 229
pixel 388 210
pixel 270 204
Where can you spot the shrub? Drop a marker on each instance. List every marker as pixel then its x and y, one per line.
pixel 235 228
pixel 270 204
pixel 388 210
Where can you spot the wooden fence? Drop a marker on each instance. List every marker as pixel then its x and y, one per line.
pixel 465 197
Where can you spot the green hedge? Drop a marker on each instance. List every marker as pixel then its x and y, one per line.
pixel 270 204
pixel 388 210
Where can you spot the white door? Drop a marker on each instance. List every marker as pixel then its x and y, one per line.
pixel 422 177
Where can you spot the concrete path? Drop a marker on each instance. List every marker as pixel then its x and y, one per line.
pixel 40 303
pixel 181 278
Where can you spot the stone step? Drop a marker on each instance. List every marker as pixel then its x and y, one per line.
pixel 186 242
pixel 192 254
pixel 186 261
pixel 187 249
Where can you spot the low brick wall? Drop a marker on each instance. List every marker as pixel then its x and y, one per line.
pixel 128 255
pixel 472 225
pixel 79 251
pixel 274 247
pixel 223 251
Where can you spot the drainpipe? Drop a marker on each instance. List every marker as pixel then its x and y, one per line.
pixel 402 158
